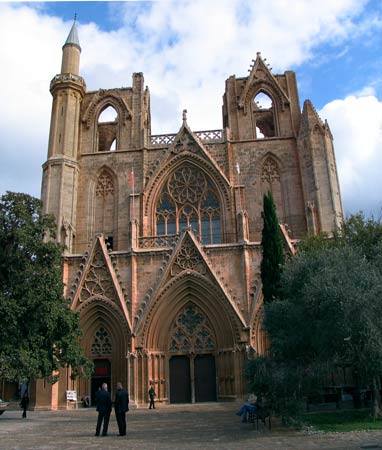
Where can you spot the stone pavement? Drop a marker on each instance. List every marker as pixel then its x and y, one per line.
pixel 182 427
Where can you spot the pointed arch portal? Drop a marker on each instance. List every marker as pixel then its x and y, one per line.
pixel 192 361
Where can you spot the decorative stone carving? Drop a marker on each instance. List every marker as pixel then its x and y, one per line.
pixel 188 259
pixel 191 332
pixel 270 172
pixel 185 143
pixel 105 185
pixel 98 280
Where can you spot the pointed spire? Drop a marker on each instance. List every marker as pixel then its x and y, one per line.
pixel 184 117
pixel 73 35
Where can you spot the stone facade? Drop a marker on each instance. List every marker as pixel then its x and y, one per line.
pixel 162 232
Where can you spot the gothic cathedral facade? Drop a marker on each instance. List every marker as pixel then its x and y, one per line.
pixel 162 232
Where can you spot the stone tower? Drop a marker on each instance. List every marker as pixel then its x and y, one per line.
pixel 61 171
pixel 162 232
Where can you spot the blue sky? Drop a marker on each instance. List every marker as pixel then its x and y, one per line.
pixel 186 50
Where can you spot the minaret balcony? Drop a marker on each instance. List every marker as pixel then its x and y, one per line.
pixel 68 80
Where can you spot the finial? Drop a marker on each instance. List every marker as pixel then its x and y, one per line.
pixel 75 16
pixel 258 54
pixel 184 116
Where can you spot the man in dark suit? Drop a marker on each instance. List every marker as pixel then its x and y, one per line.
pixel 121 406
pixel 103 398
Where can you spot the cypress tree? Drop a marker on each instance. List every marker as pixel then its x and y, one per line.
pixel 273 256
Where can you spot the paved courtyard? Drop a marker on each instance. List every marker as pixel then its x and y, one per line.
pixel 203 426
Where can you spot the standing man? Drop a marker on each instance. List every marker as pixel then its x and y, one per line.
pixel 121 406
pixel 152 396
pixel 104 409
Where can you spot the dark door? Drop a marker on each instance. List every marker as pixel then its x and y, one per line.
pixel 205 378
pixel 101 375
pixel 180 380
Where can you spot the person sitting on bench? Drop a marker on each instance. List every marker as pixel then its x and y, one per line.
pixel 250 406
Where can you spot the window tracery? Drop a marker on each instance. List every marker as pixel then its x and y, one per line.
pixel 271 182
pixel 104 205
pixel 105 185
pixel 270 172
pixel 101 343
pixel 191 332
pixel 189 200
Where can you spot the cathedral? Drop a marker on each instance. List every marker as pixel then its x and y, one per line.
pixel 162 232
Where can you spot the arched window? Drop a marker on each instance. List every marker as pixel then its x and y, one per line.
pixel 263 114
pixel 189 200
pixel 107 129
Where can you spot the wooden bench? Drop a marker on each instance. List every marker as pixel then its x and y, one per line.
pixel 261 414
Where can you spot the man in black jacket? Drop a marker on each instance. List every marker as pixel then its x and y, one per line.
pixel 103 399
pixel 121 406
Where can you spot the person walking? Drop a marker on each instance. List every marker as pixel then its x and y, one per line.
pixel 152 396
pixel 104 410
pixel 121 406
pixel 24 404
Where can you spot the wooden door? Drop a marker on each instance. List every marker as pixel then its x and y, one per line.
pixel 180 380
pixel 205 378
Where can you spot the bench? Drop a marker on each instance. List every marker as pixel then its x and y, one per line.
pixel 261 414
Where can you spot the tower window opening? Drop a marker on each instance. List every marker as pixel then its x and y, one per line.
pixel 109 242
pixel 263 114
pixel 107 130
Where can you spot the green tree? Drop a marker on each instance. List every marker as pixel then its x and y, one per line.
pixel 328 318
pixel 38 332
pixel 273 256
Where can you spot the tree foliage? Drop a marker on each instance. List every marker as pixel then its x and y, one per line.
pixel 273 257
pixel 38 332
pixel 329 316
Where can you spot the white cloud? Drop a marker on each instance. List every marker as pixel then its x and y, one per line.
pixel 356 123
pixel 186 50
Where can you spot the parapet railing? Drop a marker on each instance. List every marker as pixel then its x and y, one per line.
pixel 168 240
pixel 204 136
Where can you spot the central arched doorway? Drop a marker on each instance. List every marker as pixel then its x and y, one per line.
pixel 192 360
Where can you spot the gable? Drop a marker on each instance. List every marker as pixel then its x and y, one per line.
pixel 99 280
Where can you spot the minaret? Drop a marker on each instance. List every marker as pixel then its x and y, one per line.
pixel 60 171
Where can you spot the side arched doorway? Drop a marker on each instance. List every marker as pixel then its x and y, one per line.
pixel 105 341
pixel 192 360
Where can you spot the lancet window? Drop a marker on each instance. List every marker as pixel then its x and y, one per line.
pixel 191 332
pixel 101 343
pixel 189 200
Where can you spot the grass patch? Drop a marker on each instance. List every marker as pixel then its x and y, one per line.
pixel 342 421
